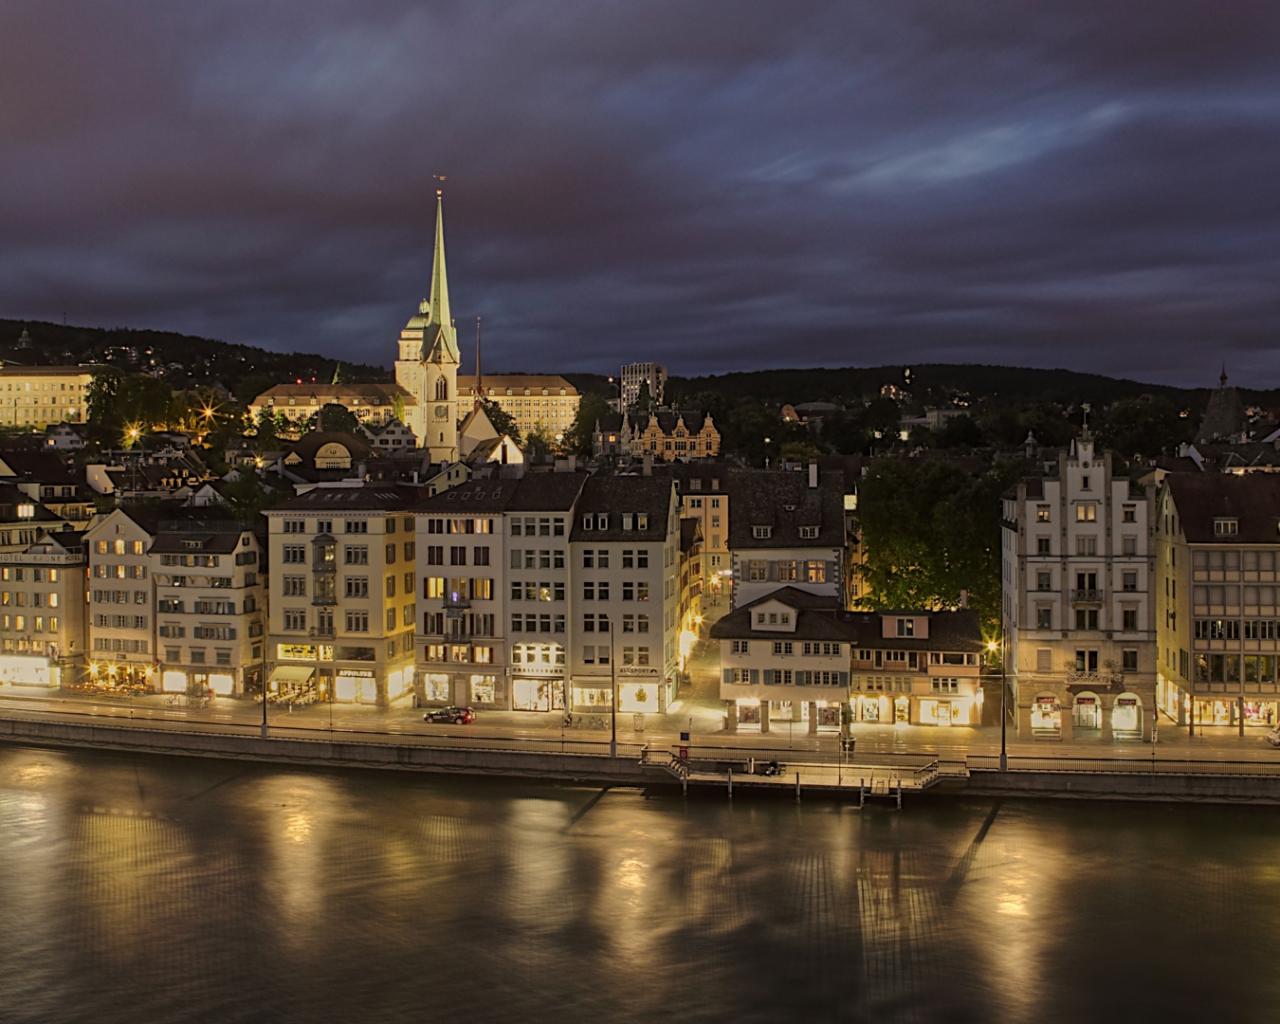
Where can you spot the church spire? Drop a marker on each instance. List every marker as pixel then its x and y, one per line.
pixel 440 315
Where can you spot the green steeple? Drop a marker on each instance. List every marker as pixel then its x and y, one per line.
pixel 440 316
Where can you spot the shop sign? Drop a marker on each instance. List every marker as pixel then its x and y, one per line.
pixel 637 670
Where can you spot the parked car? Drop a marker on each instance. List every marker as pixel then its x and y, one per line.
pixel 767 768
pixel 1273 737
pixel 451 716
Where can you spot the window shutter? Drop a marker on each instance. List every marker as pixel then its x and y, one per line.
pixel 844 678
pixel 728 675
pixel 768 677
pixel 755 675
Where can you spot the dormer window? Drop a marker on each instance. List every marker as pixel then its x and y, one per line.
pixel 808 532
pixel 762 532
pixel 1226 527
pixel 906 627
pixel 627 520
pixel 602 520
pixel 642 520
pixel 588 522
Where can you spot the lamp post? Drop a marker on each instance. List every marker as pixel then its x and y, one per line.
pixel 613 692
pixel 994 646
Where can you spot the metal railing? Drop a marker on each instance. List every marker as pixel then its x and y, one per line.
pixel 1152 765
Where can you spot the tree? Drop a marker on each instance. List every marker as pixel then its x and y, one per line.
pixel 338 419
pixel 538 443
pixel 103 396
pixel 644 399
pixel 930 531
pixel 592 408
pixel 1145 427
pixel 503 422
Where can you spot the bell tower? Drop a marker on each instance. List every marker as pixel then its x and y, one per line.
pixel 429 361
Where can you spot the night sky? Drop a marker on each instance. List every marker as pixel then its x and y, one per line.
pixel 717 185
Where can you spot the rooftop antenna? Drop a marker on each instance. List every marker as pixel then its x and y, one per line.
pixel 479 377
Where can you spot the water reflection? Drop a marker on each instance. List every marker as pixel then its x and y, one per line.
pixel 168 891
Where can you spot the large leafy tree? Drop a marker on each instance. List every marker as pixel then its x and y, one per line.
pixel 591 409
pixel 503 422
pixel 930 531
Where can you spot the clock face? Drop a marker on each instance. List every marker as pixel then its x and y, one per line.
pixel 442 411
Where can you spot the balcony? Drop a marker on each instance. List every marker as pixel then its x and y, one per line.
pixel 1087 596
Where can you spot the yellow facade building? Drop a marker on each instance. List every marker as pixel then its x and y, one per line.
pixel 38 396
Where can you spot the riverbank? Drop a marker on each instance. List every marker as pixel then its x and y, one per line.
pixel 707 771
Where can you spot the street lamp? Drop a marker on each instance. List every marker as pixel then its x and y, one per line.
pixel 994 646
pixel 613 692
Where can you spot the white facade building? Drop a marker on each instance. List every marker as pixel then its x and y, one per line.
pixel 1078 608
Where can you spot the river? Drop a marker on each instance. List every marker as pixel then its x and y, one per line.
pixel 140 889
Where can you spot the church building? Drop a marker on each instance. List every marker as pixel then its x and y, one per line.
pixel 428 362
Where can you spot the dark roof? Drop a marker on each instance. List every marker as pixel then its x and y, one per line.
pixel 309 444
pixel 366 498
pixel 618 495
pixel 38 465
pixel 948 631
pixel 534 492
pixel 610 421
pixel 548 492
pixel 476 495
pixel 217 542
pixel 1252 499
pixel 818 617
pixel 784 501
pixel 11 497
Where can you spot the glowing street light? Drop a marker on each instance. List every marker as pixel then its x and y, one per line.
pixel 994 646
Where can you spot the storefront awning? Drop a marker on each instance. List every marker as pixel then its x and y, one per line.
pixel 292 673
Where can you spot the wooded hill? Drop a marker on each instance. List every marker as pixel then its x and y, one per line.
pixel 183 359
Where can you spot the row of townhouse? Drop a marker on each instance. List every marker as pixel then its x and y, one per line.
pixel 536 594
pixel 553 591
pixel 134 603
pixel 1130 606
pixel 794 657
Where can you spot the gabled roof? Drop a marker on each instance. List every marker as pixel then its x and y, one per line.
pixel 37 465
pixel 366 498
pixel 783 501
pixel 819 617
pixel 496 384
pixel 1252 499
pixel 620 495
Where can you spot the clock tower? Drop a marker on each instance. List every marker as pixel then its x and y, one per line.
pixel 429 361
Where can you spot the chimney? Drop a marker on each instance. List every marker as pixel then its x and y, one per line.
pixel 415 476
pixel 647 465
pixel 813 474
pixel 964 599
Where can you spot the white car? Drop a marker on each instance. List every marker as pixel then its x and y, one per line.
pixel 1273 737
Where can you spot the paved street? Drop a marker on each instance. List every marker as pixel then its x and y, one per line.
pixel 695 712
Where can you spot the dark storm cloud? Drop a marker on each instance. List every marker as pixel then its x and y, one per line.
pixel 717 185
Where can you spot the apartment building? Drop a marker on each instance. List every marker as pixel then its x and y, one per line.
pixel 690 617
pixel 797 660
pixel 624 593
pixel 121 624
pixel 373 404
pixel 341 594
pixel 704 495
pixel 787 529
pixel 42 612
pixel 636 376
pixel 1078 611
pixel 1218 600
pixel 210 608
pixel 38 396
pixel 532 400
pixel 493 564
